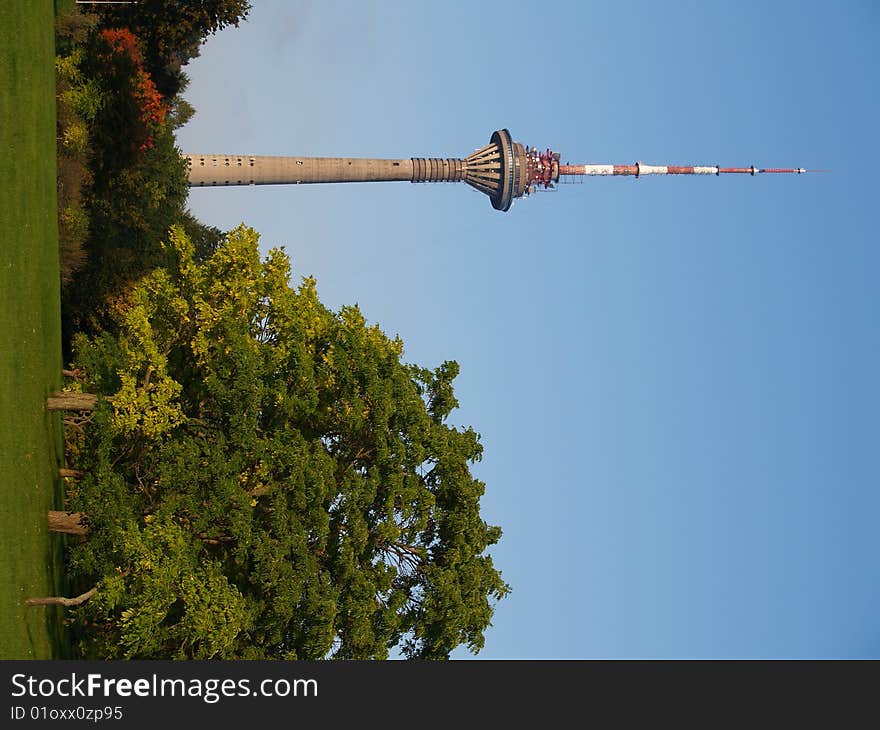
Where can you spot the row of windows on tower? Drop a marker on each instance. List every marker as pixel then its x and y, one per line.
pixel 226 162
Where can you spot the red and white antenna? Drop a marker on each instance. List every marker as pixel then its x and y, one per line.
pixel 640 168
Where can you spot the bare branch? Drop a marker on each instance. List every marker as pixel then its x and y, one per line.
pixel 147 375
pixel 70 523
pixel 67 401
pixel 61 600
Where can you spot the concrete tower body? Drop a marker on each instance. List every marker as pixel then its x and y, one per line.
pixel 498 170
pixel 503 170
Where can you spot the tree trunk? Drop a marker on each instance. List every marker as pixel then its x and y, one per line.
pixel 61 600
pixel 70 523
pixel 64 472
pixel 64 401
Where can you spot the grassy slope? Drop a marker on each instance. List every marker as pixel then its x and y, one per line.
pixel 30 362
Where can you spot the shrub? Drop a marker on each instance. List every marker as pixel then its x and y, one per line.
pixel 85 98
pixel 73 220
pixel 73 28
pixel 75 139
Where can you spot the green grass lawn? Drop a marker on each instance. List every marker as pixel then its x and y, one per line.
pixel 30 342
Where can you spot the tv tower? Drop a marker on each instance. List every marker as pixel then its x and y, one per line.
pixel 503 170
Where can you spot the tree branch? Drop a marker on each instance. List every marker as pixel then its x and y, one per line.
pixel 220 539
pixel 61 600
pixel 146 383
pixel 70 523
pixel 67 401
pixel 418 552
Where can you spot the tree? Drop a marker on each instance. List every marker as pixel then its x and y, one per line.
pixel 171 31
pixel 131 207
pixel 137 178
pixel 264 477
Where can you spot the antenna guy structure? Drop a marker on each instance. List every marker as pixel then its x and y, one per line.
pixel 504 170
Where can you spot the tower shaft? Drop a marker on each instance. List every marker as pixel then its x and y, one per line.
pixel 272 170
pixel 277 170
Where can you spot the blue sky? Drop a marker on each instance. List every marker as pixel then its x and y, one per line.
pixel 675 379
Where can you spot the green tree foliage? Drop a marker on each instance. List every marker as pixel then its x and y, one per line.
pixel 267 478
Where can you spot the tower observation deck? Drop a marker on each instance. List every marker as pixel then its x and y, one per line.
pixel 504 170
